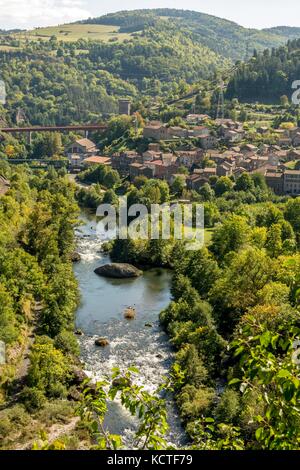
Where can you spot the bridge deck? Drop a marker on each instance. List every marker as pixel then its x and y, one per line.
pixel 81 127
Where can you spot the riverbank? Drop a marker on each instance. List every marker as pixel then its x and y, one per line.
pixel 101 313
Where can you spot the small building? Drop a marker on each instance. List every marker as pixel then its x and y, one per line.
pixel 195 182
pixel 121 162
pixel 151 155
pixel 156 132
pixel 285 141
pixel 206 172
pixel 208 141
pixel 197 118
pixel 225 169
pixel 198 131
pixel 137 169
pixel 97 161
pixel 188 158
pixel 274 181
pixel 232 136
pixel 75 160
pixel 82 147
pixel 249 148
pixel 124 107
pixel 179 132
pixel 291 182
pixel 296 140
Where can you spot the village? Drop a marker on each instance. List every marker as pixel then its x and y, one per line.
pixel 223 151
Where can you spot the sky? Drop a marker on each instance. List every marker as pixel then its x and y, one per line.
pixel 27 14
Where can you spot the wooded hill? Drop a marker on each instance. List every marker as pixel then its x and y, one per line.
pixel 65 74
pixel 222 36
pixel 268 75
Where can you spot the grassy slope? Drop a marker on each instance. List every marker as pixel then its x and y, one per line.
pixel 73 32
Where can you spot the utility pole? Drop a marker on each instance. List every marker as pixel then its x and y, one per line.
pixel 136 124
pixel 221 105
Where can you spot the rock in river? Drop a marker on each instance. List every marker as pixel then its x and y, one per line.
pixel 118 271
pixel 101 342
pixel 130 313
pixel 75 257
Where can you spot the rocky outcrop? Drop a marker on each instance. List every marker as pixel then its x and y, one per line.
pixel 78 376
pixel 118 271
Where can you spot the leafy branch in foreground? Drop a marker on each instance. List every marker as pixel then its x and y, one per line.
pixel 149 410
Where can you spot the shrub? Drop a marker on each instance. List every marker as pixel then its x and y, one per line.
pixel 228 408
pixel 33 398
pixel 67 343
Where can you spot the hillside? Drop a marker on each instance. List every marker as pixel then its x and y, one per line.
pixel 222 36
pixel 267 76
pixel 76 72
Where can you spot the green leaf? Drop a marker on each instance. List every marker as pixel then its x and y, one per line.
pixel 234 381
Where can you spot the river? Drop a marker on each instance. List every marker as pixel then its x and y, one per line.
pixel 101 313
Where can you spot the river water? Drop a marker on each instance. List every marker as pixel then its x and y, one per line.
pixel 132 343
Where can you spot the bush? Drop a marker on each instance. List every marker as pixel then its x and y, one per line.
pixel 57 390
pixel 33 398
pixel 228 407
pixel 67 343
pixel 194 402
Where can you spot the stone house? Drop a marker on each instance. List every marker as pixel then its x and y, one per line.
pixel 208 141
pixel 291 182
pixel 156 132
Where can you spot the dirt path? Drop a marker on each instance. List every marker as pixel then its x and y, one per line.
pixel 23 366
pixel 58 430
pixel 53 433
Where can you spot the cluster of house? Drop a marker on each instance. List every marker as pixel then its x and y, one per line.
pixel 267 160
pixel 157 131
pixel 227 130
pixel 204 162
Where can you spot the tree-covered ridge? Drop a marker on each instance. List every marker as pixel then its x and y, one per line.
pixel 158 53
pixel 222 36
pixel 168 51
pixel 58 90
pixel 62 83
pixel 268 75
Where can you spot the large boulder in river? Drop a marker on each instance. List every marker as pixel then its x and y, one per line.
pixel 118 271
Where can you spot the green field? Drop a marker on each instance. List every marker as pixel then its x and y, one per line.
pixel 73 32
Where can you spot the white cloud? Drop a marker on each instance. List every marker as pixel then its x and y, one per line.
pixel 31 13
